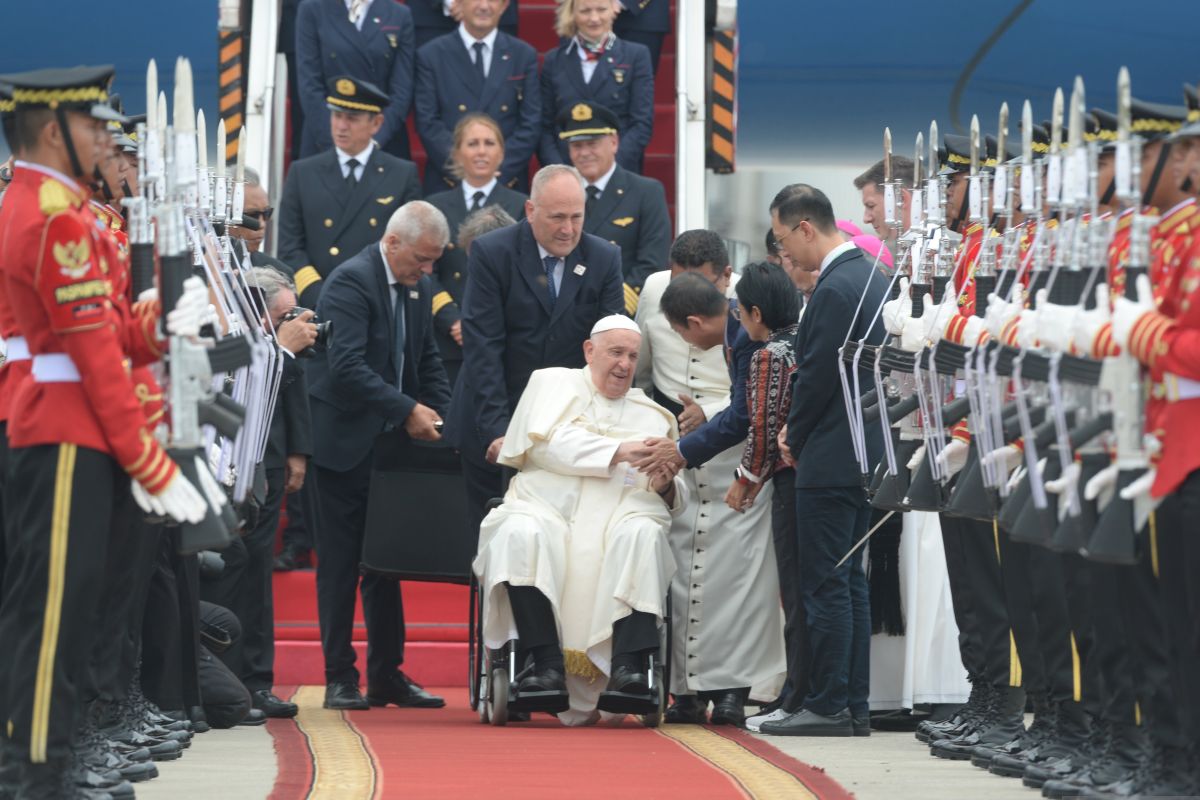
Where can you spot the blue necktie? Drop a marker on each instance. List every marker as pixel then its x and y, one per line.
pixel 551 262
pixel 399 334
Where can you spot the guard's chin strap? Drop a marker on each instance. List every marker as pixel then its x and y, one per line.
pixel 1157 174
pixel 127 191
pixel 102 185
pixel 60 114
pixel 1107 197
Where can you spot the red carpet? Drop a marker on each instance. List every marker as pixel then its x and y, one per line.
pixel 447 754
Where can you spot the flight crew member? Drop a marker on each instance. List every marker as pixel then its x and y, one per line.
pixel 479 68
pixel 476 159
pixel 626 209
pixel 336 203
pixel 594 64
pixel 646 22
pixel 372 41
pixel 81 435
pixel 434 18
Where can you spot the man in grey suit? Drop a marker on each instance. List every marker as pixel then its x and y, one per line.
pixel 336 203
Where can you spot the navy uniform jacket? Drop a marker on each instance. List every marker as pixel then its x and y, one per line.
pixel 432 21
pixel 322 222
pixel 450 271
pixel 383 53
pixel 632 214
pixel 448 86
pixel 510 328
pixel 355 394
pixel 623 83
pixel 644 15
pixel 818 431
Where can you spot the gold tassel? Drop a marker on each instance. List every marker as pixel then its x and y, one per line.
pixel 579 664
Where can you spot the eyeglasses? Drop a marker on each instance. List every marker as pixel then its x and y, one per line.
pixel 264 215
pixel 779 239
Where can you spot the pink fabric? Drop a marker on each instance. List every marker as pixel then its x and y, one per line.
pixel 872 246
pixel 849 228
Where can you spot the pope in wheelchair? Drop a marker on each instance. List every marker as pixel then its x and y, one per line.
pixel 574 564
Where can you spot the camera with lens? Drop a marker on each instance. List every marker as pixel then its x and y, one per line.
pixel 324 330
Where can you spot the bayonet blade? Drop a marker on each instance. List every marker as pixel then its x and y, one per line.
pixel 185 115
pixel 201 142
pixel 220 163
pixel 919 162
pixel 152 94
pixel 887 155
pixel 1026 134
pixel 974 144
pixel 934 144
pixel 1078 109
pixel 1056 121
pixel 1002 135
pixel 1124 99
pixel 239 173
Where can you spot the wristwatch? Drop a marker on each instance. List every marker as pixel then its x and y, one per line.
pixel 740 476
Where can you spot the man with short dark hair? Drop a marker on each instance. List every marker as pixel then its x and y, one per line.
pixel 832 508
pixel 870 183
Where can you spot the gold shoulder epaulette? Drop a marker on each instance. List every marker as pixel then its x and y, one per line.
pixel 54 198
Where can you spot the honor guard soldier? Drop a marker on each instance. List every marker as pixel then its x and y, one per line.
pixel 81 434
pixel 478 68
pixel 336 203
pixel 626 209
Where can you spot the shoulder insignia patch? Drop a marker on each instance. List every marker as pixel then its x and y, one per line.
pixel 53 198
pixel 72 258
pixel 622 222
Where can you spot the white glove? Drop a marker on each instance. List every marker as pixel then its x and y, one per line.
pixel 1027 329
pixel 148 295
pixel 938 317
pixel 895 312
pixel 180 501
pixel 1100 487
pixel 953 457
pixel 212 491
pixel 1008 458
pixel 1015 479
pixel 999 312
pixel 917 458
pixel 1127 312
pixel 1064 486
pixel 188 315
pixel 971 332
pixel 1088 323
pixel 1054 323
pixel 912 338
pixel 1139 487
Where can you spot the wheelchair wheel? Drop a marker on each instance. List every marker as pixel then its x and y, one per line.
pixel 497 700
pixel 475 662
pixel 481 694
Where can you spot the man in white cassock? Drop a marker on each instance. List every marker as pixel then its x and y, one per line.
pixel 575 563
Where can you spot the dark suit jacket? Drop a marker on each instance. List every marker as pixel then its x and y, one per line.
pixel 383 53
pixel 450 271
pixel 431 21
pixel 510 329
pixel 644 15
pixel 632 214
pixel 322 222
pixel 731 425
pixel 623 83
pixel 818 430
pixel 448 86
pixel 354 388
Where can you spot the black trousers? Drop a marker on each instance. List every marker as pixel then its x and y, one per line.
pixel 123 573
pixel 1179 566
pixel 973 562
pixel 1015 567
pixel 226 699
pixel 787 559
pixel 1048 587
pixel 1077 583
pixel 3 481
pixel 482 480
pixel 301 512
pixel 343 513
pixel 536 627
pixel 828 523
pixel 171 632
pixel 1109 658
pixel 62 501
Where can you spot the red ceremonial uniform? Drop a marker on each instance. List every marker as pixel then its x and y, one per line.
pixel 59 275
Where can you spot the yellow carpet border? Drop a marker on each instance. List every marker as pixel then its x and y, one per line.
pixel 343 765
pixel 757 777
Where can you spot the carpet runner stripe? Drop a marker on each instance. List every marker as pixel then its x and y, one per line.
pixel 758 777
pixel 343 765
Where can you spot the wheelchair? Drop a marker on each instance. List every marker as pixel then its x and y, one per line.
pixel 493 674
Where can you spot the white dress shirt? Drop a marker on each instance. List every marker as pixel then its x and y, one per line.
pixel 588 65
pixel 362 157
pixel 489 47
pixel 834 253
pixel 469 192
pixel 363 7
pixel 558 268
pixel 601 183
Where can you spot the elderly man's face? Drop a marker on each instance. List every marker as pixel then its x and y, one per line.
pixel 612 358
pixel 408 261
pixel 594 157
pixel 255 205
pixel 556 216
pixel 480 17
pixel 352 131
pixel 284 301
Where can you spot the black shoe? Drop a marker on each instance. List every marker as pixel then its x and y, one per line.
pixel 291 558
pixel 628 692
pixel 254 716
pixel 543 689
pixel 402 691
pixel 272 706
pixel 810 723
pixel 861 725
pixel 688 709
pixel 344 696
pixel 729 709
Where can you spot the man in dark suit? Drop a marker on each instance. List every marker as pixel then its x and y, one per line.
pixel 372 41
pixel 382 372
pixel 478 68
pixel 646 22
pixel 435 18
pixel 536 289
pixel 450 272
pixel 620 79
pixel 336 203
pixel 626 209
pixel 831 505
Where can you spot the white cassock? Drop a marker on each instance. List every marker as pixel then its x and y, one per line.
pixel 728 621
pixel 591 537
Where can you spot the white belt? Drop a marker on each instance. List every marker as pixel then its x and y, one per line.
pixel 1176 388
pixel 54 368
pixel 17 349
